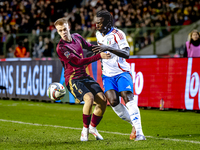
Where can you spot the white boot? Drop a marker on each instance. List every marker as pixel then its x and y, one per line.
pixel 84 134
pixel 96 134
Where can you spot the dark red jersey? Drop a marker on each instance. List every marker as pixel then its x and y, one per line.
pixel 71 56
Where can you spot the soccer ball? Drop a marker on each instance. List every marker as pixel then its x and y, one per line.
pixel 56 91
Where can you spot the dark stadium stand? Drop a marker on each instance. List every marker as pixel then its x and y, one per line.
pixel 20 19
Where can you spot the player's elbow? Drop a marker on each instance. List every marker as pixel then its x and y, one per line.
pixel 126 53
pixel 123 55
pixel 126 56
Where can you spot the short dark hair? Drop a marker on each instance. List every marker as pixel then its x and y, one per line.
pixel 108 18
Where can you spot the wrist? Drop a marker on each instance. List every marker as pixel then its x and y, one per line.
pixel 99 55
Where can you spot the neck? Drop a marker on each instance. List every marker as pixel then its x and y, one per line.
pixel 195 43
pixel 69 39
pixel 108 31
pixel 105 32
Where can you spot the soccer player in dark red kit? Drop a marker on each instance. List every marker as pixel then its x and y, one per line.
pixel 78 82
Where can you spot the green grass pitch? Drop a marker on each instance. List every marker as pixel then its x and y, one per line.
pixel 39 125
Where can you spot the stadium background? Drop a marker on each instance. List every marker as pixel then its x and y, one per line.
pixel 156 31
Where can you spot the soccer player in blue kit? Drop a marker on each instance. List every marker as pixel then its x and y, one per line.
pixel 116 77
pixel 78 82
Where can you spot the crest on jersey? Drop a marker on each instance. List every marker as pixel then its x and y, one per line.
pixel 67 54
pixel 80 91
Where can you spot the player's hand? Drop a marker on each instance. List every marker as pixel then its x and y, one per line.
pixel 105 55
pixel 99 43
pixel 98 49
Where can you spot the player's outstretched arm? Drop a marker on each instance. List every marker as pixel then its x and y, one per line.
pixel 119 52
pixel 75 61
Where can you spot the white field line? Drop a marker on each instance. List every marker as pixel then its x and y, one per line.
pixel 55 126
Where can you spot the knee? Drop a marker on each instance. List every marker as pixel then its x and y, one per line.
pixel 101 99
pixel 88 98
pixel 127 96
pixel 104 102
pixel 113 102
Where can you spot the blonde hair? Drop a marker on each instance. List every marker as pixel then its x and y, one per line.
pixel 61 21
pixel 190 36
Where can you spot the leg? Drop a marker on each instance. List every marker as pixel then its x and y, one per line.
pixel 100 107
pixel 87 111
pixel 117 107
pixel 134 113
pixel 85 90
pixel 101 104
pixel 99 110
pixel 89 100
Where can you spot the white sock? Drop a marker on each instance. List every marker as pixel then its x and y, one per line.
pixel 85 129
pixel 134 113
pixel 91 127
pixel 122 112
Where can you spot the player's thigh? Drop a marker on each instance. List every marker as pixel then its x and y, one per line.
pixel 109 83
pixel 112 97
pixel 125 82
pixel 78 89
pixel 93 86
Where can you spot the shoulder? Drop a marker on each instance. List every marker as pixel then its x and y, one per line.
pixel 60 44
pixel 61 47
pixel 119 34
pixel 187 42
pixel 117 31
pixel 76 35
pixel 98 34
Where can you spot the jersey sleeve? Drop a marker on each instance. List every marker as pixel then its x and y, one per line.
pixel 68 56
pixel 120 39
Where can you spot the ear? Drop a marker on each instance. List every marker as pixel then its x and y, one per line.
pixel 69 27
